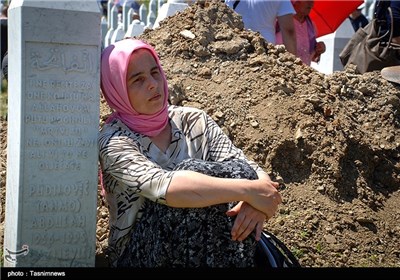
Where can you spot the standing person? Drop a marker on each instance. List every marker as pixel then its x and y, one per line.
pixel 308 49
pixel 357 18
pixel 262 15
pixel 180 194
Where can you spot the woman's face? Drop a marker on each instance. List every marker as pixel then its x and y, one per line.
pixel 145 83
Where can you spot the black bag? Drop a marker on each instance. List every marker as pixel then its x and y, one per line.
pixel 369 50
pixel 271 252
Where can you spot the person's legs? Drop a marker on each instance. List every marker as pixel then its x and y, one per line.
pixel 191 237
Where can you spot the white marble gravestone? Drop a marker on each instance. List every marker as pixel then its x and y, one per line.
pixel 334 42
pixel 169 9
pixel 53 118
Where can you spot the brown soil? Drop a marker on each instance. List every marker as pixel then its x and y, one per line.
pixel 333 141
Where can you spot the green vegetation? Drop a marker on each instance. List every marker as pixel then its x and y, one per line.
pixel 304 234
pixel 298 253
pixel 319 248
pixel 374 258
pixel 3 98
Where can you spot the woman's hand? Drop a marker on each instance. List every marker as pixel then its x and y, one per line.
pixel 248 219
pixel 263 195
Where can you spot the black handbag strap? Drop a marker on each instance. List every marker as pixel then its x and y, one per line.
pixel 389 44
pixel 381 9
pixel 390 31
pixel 391 24
pixel 279 245
pixel 235 4
pixel 383 17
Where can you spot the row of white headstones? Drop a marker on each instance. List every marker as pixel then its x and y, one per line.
pixel 116 26
pixel 123 21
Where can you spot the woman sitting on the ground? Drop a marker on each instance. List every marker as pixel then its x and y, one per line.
pixel 180 194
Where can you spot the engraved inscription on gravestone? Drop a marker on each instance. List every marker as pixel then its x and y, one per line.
pixel 53 123
pixel 58 119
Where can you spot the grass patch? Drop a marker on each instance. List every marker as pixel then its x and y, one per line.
pixel 298 253
pixel 319 248
pixel 304 234
pixel 3 98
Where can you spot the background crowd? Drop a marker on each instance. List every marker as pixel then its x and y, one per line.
pixel 284 22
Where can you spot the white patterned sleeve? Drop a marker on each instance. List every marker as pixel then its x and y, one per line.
pixel 125 166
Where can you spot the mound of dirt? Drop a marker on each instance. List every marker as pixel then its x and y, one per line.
pixel 332 141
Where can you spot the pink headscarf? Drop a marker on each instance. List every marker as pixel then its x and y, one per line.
pixel 114 66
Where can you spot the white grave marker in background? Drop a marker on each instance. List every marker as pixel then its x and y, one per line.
pixel 335 43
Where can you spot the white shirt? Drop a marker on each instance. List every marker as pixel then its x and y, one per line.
pixel 261 15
